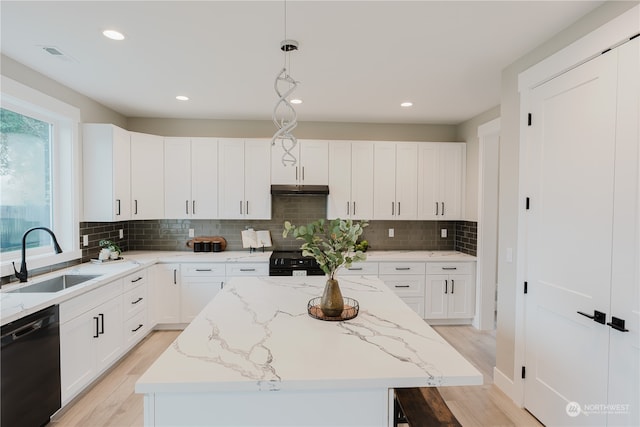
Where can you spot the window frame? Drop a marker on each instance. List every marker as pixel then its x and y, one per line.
pixel 65 171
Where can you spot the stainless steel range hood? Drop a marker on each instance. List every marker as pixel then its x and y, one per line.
pixel 299 190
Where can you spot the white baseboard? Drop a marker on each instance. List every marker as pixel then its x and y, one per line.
pixel 506 385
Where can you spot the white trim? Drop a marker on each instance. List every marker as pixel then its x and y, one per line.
pixel 607 36
pixel 503 382
pixel 480 321
pixel 612 33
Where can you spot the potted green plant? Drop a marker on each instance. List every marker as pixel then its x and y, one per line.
pixel 112 247
pixel 332 245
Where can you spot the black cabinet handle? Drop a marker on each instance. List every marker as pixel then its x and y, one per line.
pixel 617 324
pixel 175 276
pixel 203 269
pixel 135 204
pixel 137 329
pixel 186 207
pixel 453 283
pixel 354 268
pixel 437 211
pixel 443 208
pixel 598 316
pixel 101 324
pixel 449 268
pixel 136 280
pixel 446 285
pixel 118 204
pixel 402 286
pixel 193 208
pixel 247 269
pixel 403 268
pixel 136 301
pixel 97 323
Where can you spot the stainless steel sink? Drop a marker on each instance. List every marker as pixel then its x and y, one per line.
pixel 57 284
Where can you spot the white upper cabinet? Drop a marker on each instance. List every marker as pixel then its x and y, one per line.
pixel 350 180
pixel 311 168
pixel 395 180
pixel 106 173
pixel 244 178
pixel 147 176
pixel 191 178
pixel 441 174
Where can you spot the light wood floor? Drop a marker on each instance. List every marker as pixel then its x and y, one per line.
pixel 112 401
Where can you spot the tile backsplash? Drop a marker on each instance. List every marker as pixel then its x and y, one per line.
pixel 172 235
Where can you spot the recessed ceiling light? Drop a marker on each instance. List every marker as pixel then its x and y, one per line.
pixel 406 104
pixel 182 98
pixel 113 34
pixel 296 101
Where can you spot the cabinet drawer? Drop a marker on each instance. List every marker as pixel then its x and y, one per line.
pixel 248 269
pixel 450 267
pixel 85 302
pixel 134 300
pixel 402 268
pixel 135 279
pixel 135 328
pixel 202 269
pixel 360 268
pixel 405 285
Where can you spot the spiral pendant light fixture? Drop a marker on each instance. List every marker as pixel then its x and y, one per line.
pixel 284 115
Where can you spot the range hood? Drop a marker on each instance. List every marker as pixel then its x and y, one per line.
pixel 299 190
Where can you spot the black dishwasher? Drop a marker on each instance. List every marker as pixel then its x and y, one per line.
pixel 30 369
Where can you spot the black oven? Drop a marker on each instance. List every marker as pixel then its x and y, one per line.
pixel 292 263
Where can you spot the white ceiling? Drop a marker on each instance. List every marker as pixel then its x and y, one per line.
pixel 357 60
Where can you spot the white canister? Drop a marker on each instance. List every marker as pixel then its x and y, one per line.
pixel 104 254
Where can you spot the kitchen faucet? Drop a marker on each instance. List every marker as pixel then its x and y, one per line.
pixel 23 274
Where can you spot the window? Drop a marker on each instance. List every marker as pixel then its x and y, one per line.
pixel 25 179
pixel 39 176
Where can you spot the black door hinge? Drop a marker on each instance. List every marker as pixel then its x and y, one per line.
pixel 523 372
pixel 529 119
pixel 526 287
pixel 526 203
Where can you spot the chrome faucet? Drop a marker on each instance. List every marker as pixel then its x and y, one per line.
pixel 23 274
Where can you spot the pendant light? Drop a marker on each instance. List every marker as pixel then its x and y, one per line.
pixel 284 115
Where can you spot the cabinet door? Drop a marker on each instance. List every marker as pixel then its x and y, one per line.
pixel 147 176
pixel 384 180
pixel 204 178
pixel 231 178
pixel 436 302
pixel 406 181
pixel 166 293
pixel 284 173
pixel 314 156
pixel 361 180
pixel 77 367
pixel 416 304
pixel 177 179
pixel 257 189
pixel 121 174
pixel 429 204
pixel 461 297
pixel 339 199
pixel 451 173
pixel 196 293
pixel 109 344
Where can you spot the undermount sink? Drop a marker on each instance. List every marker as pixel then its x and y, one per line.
pixel 57 284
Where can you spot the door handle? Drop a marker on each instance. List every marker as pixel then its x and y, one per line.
pixel 118 204
pixel 442 208
pixel 136 280
pixel 135 205
pixel 446 286
pixel 186 207
pixel 175 276
pixel 101 324
pixel 347 208
pixel 193 208
pixel 402 286
pixel 393 208
pixel 138 328
pixel 354 208
pixel 617 324
pixel 437 211
pixel 598 316
pixel 247 210
pixel 453 283
pixel 97 323
pixel 136 301
pixel 398 208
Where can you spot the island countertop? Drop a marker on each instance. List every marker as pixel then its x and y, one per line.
pixel 256 336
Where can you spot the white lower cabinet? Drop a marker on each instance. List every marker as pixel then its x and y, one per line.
pixel 134 307
pixel 90 337
pixel 450 291
pixel 166 294
pixel 200 283
pixel 407 279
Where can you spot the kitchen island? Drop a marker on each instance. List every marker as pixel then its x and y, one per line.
pixel 254 356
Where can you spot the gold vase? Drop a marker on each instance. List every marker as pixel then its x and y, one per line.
pixel 332 303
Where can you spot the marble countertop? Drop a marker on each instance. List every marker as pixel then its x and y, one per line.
pixel 16 305
pixel 256 335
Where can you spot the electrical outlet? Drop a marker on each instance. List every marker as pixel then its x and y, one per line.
pixel 121 233
pixel 391 232
pixel 191 232
pixel 85 240
pixel 443 233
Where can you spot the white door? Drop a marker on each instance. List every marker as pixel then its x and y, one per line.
pixel 624 360
pixel 315 162
pixel 109 344
pixel 231 178
pixel 284 173
pixel 361 180
pixel 204 178
pixel 406 181
pixel 257 170
pixel 461 295
pixel 436 296
pixel 339 199
pixel 77 368
pixel 177 179
pixel 428 181
pixel 450 181
pixel 147 176
pixel 121 173
pixel 384 180
pixel 196 293
pixel 166 293
pixel 571 182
